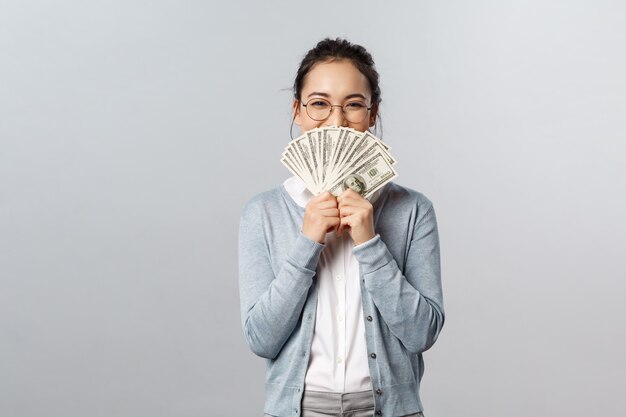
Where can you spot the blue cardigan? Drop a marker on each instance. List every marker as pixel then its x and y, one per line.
pixel 400 288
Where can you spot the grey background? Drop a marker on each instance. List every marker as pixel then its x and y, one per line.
pixel 132 132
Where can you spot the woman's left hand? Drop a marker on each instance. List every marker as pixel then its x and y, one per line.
pixel 357 215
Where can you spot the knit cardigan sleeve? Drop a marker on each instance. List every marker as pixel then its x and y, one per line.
pixel 271 303
pixel 409 301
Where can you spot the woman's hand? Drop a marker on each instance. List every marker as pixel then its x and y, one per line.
pixel 357 215
pixel 320 216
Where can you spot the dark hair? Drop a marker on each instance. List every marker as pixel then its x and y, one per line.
pixel 329 50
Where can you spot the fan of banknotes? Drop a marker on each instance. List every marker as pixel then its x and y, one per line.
pixel 337 158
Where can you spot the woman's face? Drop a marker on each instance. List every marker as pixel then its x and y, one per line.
pixel 338 82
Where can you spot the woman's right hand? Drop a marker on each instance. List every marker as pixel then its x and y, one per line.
pixel 321 215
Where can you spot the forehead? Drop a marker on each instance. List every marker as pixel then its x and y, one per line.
pixel 337 79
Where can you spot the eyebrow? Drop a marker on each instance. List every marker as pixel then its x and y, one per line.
pixel 349 96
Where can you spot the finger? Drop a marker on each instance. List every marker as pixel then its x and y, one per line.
pixel 340 229
pixel 350 193
pixel 323 196
pixel 345 222
pixel 345 204
pixel 352 198
pixel 356 205
pixel 332 223
pixel 330 212
pixel 354 208
pixel 344 195
pixel 326 204
pixel 347 211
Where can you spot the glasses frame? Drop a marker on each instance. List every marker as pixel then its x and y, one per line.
pixel 343 110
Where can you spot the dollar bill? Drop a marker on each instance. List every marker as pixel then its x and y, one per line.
pixel 336 158
pixel 373 173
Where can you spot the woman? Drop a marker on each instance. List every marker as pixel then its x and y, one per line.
pixel 340 294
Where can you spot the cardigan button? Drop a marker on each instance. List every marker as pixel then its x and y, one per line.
pixel 373 355
pixel 369 318
pixel 379 391
pixel 379 413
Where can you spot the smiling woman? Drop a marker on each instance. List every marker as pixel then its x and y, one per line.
pixel 342 318
pixel 338 82
pixel 341 69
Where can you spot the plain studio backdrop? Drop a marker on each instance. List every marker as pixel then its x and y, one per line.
pixel 132 132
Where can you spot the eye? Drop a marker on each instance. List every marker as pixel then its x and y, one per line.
pixel 355 105
pixel 318 104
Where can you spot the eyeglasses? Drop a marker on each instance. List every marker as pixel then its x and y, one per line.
pixel 320 109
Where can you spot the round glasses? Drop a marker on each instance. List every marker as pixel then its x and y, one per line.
pixel 319 109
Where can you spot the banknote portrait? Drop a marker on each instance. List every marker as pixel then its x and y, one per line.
pixel 355 182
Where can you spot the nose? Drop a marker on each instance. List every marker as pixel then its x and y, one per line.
pixel 336 117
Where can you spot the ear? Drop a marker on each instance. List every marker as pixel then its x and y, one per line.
pixel 373 115
pixel 295 112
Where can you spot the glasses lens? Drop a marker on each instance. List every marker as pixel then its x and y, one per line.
pixel 318 109
pixel 355 111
